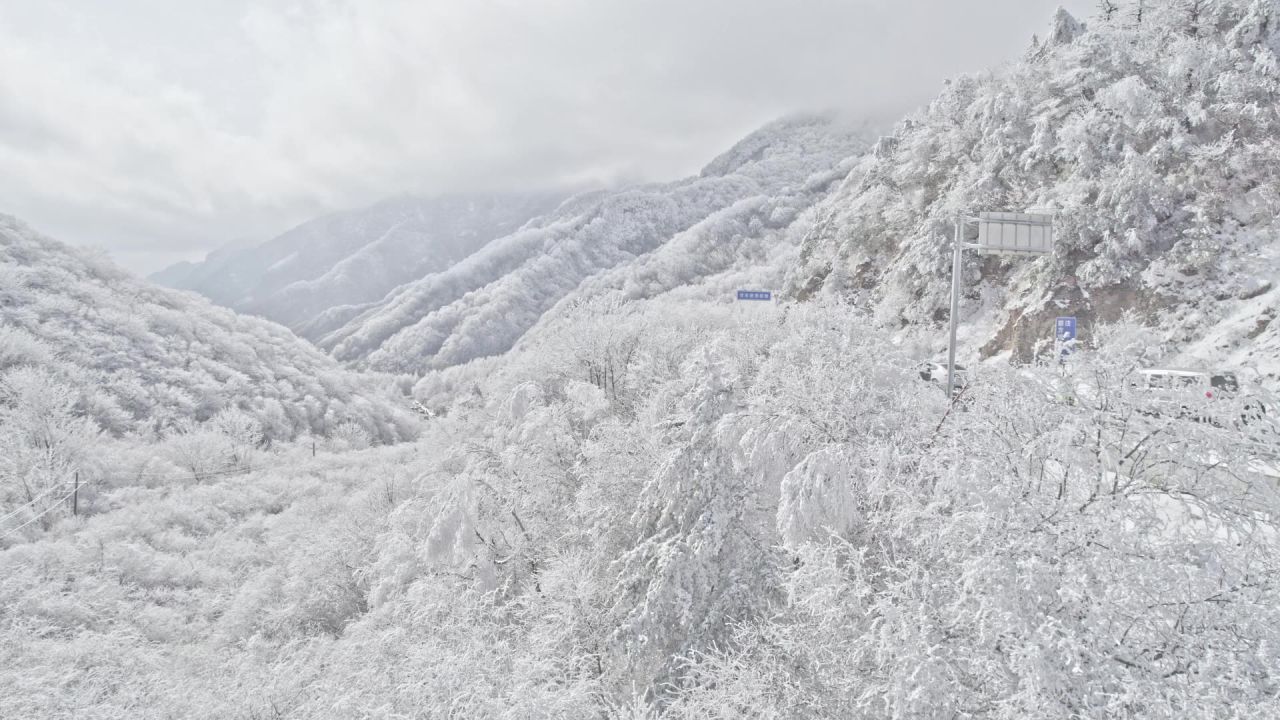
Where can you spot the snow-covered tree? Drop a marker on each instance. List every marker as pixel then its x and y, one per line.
pixel 46 444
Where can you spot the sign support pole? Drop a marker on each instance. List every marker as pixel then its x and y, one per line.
pixel 956 250
pixel 1001 233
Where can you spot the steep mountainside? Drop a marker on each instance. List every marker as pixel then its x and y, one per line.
pixel 353 257
pixel 484 304
pixel 1153 135
pixel 143 359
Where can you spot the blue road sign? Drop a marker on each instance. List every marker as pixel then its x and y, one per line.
pixel 755 295
pixel 1065 329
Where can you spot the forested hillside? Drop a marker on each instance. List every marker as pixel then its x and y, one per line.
pixel 484 304
pixel 749 504
pixel 1153 136
pixel 353 258
pixel 141 361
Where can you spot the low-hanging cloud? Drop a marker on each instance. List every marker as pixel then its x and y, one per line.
pixel 160 131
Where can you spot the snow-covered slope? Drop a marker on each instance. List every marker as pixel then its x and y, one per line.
pixel 679 511
pixel 143 359
pixel 481 306
pixel 1156 144
pixel 353 257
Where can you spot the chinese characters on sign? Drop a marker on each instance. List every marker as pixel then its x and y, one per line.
pixel 1064 332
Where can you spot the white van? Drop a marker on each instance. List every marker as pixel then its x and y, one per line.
pixel 1207 396
pixel 1198 380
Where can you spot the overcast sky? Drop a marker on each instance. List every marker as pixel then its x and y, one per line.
pixel 161 129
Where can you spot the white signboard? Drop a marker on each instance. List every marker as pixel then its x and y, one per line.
pixel 1015 233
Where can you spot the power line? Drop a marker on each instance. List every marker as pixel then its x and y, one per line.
pixel 232 470
pixel 37 517
pixel 48 491
pixel 224 472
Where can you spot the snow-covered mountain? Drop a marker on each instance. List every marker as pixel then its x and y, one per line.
pixel 143 360
pixel 1152 141
pixel 653 238
pixel 1153 135
pixel 355 257
pixel 637 498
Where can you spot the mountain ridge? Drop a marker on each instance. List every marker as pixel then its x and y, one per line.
pixel 354 256
pixel 484 304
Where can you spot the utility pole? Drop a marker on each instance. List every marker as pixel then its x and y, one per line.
pixel 957 248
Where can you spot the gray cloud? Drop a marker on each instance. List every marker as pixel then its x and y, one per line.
pixel 160 130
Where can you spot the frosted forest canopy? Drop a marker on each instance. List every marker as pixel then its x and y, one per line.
pixel 562 474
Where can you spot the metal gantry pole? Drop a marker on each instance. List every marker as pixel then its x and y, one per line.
pixel 956 250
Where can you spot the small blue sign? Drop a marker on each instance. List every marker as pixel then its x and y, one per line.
pixel 1065 329
pixel 755 295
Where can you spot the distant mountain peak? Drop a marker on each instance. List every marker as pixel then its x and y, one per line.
pixel 1066 28
pixel 795 132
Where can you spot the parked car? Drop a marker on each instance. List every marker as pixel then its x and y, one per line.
pixel 936 371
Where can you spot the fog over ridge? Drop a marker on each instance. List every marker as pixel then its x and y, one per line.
pixel 161 132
